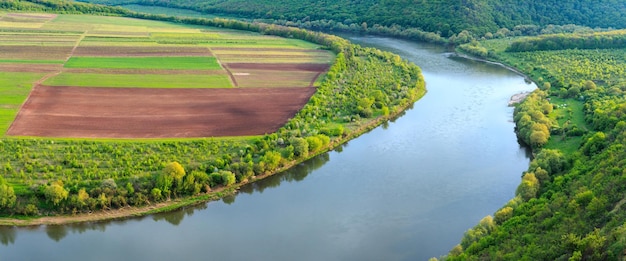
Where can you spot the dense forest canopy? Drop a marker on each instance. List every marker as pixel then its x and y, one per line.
pixel 445 17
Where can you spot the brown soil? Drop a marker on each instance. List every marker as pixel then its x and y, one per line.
pixel 266 78
pixel 35 16
pixel 80 112
pixel 105 33
pixel 35 52
pixel 295 57
pixel 284 50
pixel 314 67
pixel 140 51
pixel 26 67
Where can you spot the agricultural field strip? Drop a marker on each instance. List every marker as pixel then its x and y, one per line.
pixel 239 111
pixel 287 60
pixel 147 66
pixel 127 51
pixel 170 63
pixel 140 81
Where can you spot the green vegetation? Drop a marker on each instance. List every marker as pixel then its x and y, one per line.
pixel 569 203
pixel 420 20
pixel 14 88
pixel 603 40
pixel 171 63
pixel 140 81
pixel 363 88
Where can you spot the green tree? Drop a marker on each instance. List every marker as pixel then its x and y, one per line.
pixel 156 194
pixel 503 215
pixel 83 196
pixel 538 139
pixel 171 178
pixel 589 85
pixel 271 159
pixel 164 183
pixel 7 196
pixel 228 177
pixel 300 147
pixel 55 193
pixel 314 143
pixel 594 144
pixel 529 187
pixel 176 171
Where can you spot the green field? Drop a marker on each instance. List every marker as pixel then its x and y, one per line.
pixel 14 88
pixel 168 63
pixel 140 80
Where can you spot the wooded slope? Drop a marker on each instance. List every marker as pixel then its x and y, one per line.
pixel 447 17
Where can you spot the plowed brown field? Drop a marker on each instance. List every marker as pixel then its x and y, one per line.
pixel 80 112
pixel 314 67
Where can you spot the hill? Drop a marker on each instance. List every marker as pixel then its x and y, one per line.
pixel 569 205
pixel 445 17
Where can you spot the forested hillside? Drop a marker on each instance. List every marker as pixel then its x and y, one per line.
pixel 445 17
pixel 570 203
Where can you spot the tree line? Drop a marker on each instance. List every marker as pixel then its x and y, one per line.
pixel 603 40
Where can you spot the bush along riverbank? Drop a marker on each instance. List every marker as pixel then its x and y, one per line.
pixel 74 180
pixel 573 190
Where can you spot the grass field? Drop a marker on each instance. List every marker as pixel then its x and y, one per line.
pixel 567 112
pixel 14 88
pixel 140 81
pixel 172 63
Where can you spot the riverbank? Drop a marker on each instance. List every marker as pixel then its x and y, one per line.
pixel 214 194
pixel 516 98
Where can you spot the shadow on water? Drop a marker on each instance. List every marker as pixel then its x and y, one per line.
pixel 297 173
pixel 176 217
pixel 7 235
pixel 58 232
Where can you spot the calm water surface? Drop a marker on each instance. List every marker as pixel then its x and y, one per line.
pixel 404 191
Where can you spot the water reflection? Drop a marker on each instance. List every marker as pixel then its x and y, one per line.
pixel 176 217
pixel 297 173
pixel 56 233
pixel 7 235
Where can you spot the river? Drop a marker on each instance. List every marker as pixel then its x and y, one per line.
pixel 407 190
